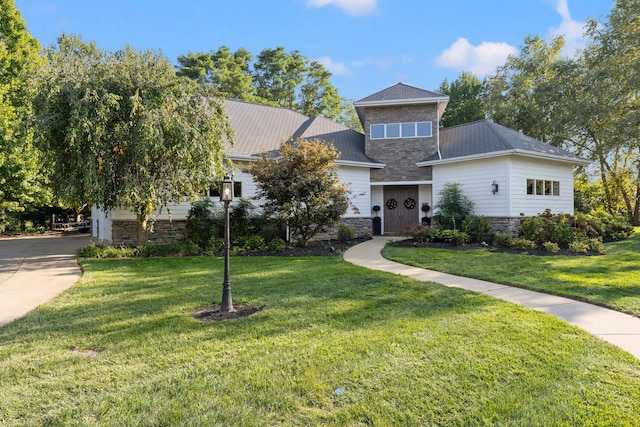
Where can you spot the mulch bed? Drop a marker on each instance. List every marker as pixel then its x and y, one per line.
pixel 321 248
pixel 214 314
pixel 410 243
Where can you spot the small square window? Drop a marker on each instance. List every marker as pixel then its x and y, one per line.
pixel 531 186
pixel 377 131
pixel 408 130
pixel 424 128
pixel 393 130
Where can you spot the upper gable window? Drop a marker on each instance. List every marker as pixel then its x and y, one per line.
pixel 401 130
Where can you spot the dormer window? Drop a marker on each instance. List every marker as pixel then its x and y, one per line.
pixel 401 130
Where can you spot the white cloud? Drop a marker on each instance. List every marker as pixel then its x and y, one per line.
pixel 351 7
pixel 336 68
pixel 480 60
pixel 572 31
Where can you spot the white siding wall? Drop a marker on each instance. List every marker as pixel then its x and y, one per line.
pixel 475 179
pixel 425 196
pixel 356 177
pixel 100 224
pixel 357 180
pixel 377 198
pixel 538 169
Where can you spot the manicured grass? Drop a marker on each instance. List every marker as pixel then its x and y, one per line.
pixel 611 280
pixel 335 344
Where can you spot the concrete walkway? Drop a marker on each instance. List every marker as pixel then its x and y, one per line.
pixel 33 270
pixel 617 328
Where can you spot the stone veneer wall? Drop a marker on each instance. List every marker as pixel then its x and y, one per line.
pixel 362 227
pixel 401 155
pixel 124 232
pixel 510 225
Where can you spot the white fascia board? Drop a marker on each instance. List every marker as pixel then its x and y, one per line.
pixel 377 183
pixel 543 156
pixel 339 162
pixel 361 164
pixel 402 102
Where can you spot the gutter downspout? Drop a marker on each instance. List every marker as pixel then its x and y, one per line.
pixel 438 129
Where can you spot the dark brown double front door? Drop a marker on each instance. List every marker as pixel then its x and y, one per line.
pixel 401 209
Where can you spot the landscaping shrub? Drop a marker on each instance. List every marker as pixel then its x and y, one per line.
pixel 595 245
pixel 276 244
pixel 579 246
pixel 204 216
pixel 551 247
pixel 421 233
pixel 345 233
pixel 478 228
pixel 215 247
pixel 524 244
pixel 255 243
pixel 455 237
pixel 564 229
pixel 452 207
pixel 502 240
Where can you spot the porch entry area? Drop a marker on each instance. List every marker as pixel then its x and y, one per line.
pixel 401 208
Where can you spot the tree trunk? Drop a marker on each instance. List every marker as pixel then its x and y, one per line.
pixel 142 221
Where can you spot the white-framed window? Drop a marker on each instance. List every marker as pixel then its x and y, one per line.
pixel 543 187
pixel 400 130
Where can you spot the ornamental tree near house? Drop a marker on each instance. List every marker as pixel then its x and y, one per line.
pixel 301 187
pixel 122 130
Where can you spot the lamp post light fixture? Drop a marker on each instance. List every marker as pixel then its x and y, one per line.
pixel 226 196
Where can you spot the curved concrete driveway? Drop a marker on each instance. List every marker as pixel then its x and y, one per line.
pixel 33 270
pixel 617 328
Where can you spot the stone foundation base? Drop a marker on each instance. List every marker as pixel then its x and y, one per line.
pixel 362 227
pixel 509 225
pixel 125 232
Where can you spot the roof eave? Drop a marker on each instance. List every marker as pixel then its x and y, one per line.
pixel 361 164
pixel 431 100
pixel 577 161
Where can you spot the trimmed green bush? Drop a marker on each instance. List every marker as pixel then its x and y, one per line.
pixel 502 240
pixel 455 237
pixel 478 228
pixel 551 247
pixel 345 233
pixel 524 244
pixel 421 233
pixel 276 244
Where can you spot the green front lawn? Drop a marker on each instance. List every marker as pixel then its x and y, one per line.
pixel 611 280
pixel 334 344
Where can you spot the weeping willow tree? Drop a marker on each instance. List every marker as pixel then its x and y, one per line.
pixel 122 130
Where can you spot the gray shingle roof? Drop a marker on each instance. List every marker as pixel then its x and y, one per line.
pixel 484 137
pixel 261 128
pixel 401 92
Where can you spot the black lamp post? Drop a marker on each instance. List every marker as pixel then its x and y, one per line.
pixel 226 196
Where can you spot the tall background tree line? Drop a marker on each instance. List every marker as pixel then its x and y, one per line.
pixel 587 104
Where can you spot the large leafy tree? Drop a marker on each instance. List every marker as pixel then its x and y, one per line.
pixel 300 186
pixel 523 93
pixel 465 100
pixel 122 130
pixel 228 72
pixel 22 183
pixel 276 77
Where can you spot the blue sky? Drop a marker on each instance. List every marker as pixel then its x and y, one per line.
pixel 367 44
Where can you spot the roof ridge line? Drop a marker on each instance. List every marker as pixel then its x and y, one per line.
pixel 495 132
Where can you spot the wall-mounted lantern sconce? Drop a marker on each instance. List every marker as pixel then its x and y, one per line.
pixel 494 187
